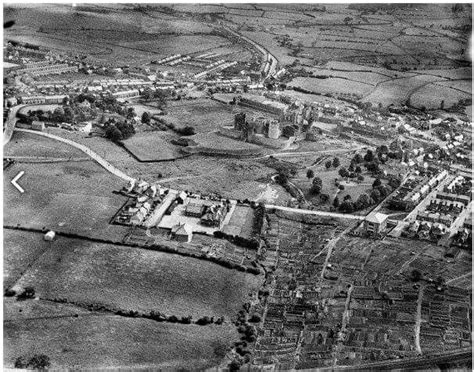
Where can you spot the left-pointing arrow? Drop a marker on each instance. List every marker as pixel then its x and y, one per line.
pixel 18 176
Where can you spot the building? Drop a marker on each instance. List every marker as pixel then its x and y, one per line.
pixel 274 130
pixel 38 125
pixel 182 232
pixel 49 236
pixel 375 223
pixel 194 210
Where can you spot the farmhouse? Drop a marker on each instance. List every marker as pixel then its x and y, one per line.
pixel 375 223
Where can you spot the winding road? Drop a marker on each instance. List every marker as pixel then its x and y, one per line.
pixel 104 163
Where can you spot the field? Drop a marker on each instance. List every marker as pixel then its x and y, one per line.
pixel 211 143
pixel 433 96
pixel 241 222
pixel 98 340
pixel 136 279
pixel 232 178
pixel 152 147
pixel 332 86
pixel 203 114
pixel 68 197
pixel 29 145
pixel 128 37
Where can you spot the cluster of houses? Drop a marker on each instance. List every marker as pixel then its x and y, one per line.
pixel 414 190
pixel 442 215
pixel 176 215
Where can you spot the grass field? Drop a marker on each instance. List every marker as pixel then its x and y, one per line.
pixel 104 341
pixel 137 279
pixel 431 95
pixel 204 115
pixel 152 147
pixel 26 144
pixel 68 197
pixel 241 222
pixel 332 85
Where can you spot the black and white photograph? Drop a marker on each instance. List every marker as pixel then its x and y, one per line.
pixel 235 186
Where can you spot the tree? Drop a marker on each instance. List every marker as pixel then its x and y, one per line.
pixel 343 172
pixel 347 206
pixel 376 183
pixel 68 114
pixel 358 169
pixel 358 158
pixel 369 156
pixel 363 201
pixel 347 20
pixel 187 131
pixel 309 174
pixel 317 185
pixel 351 167
pixel 415 275
pixel 113 133
pixel 146 118
pixel 375 195
pixel 336 162
pixel 341 187
pixel 360 178
pixel 335 202
pixel 328 164
pixel 58 114
pixel 131 113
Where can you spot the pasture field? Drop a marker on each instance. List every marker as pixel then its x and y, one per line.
pixel 432 95
pixel 152 147
pixel 397 91
pixel 64 197
pixel 231 178
pixel 28 145
pixel 20 250
pixel 104 341
pixel 136 279
pixel 332 85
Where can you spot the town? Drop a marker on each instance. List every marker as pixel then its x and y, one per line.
pixel 191 178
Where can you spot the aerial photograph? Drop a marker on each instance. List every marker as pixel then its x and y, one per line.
pixel 237 186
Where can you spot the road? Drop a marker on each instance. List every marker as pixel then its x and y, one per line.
pixel 10 123
pixel 315 213
pixel 268 57
pixel 104 163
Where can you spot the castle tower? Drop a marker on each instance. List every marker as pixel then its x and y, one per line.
pixel 274 130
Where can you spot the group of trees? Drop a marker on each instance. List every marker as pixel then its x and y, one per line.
pixel 36 362
pixel 335 163
pixel 118 130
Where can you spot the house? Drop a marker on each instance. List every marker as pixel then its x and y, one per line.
pixel 182 232
pixel 194 210
pixel 38 125
pixel 375 223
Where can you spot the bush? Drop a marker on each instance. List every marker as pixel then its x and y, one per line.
pixel 28 293
pixel 255 318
